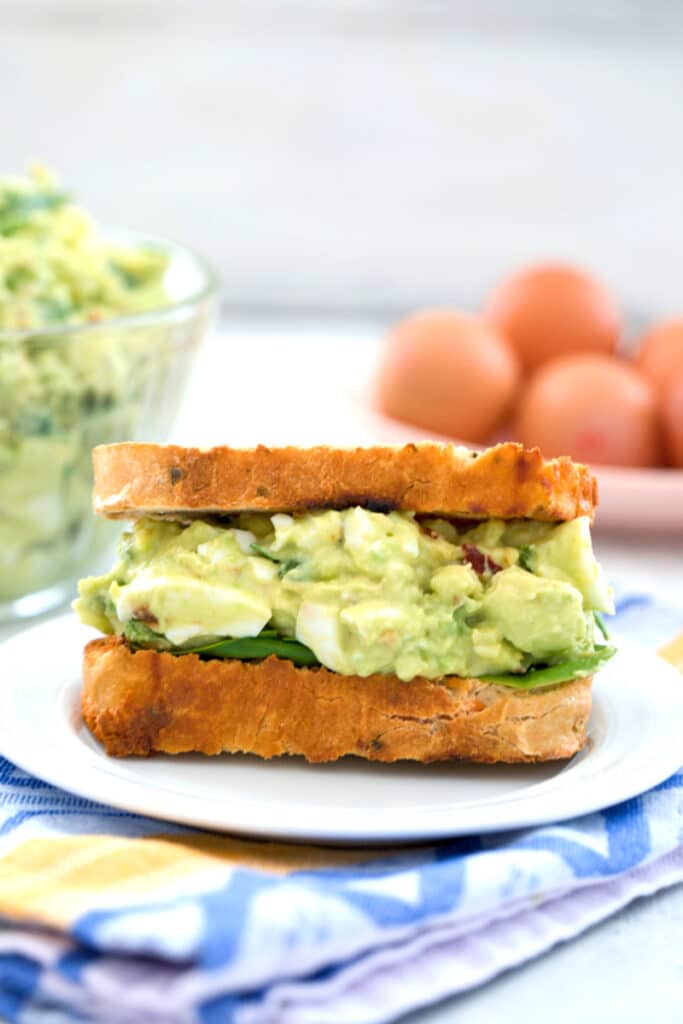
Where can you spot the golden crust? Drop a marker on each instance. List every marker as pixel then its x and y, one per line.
pixel 144 702
pixel 505 481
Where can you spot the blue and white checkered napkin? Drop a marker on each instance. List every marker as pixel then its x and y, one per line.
pixel 111 917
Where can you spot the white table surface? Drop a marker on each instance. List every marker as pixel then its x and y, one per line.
pixel 297 383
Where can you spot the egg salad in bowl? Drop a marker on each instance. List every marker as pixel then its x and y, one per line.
pixel 97 332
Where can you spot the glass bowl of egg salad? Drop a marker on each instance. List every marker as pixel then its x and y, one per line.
pixel 98 332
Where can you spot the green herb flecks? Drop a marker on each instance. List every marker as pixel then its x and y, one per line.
pixel 550 675
pixel 16 278
pixel 526 554
pixel 264 553
pixel 54 311
pixel 284 566
pixel 599 622
pixel 129 278
pixel 17 208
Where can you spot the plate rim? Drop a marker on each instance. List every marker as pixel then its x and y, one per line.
pixel 532 806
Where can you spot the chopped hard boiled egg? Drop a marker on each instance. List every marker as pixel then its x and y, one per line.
pixel 364 591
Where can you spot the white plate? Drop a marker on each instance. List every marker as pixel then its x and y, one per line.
pixel 635 742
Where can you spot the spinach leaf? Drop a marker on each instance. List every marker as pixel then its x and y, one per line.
pixel 140 634
pixel 549 675
pixel 257 648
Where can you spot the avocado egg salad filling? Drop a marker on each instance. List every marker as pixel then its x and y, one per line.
pixel 56 267
pixel 361 592
pixel 67 380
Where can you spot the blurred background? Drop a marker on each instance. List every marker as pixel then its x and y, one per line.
pixel 364 156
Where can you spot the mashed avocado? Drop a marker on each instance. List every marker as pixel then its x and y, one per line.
pixel 61 393
pixel 363 591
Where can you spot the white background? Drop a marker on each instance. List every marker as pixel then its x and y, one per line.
pixel 365 154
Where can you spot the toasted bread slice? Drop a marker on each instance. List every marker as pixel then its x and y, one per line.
pixel 141 702
pixel 507 481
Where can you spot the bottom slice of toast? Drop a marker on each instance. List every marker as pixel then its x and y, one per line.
pixel 141 702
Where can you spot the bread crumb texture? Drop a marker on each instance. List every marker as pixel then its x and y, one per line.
pixel 141 702
pixel 506 481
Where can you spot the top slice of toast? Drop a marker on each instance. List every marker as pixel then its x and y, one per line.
pixel 506 481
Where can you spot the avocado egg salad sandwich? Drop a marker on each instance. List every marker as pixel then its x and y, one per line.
pixel 424 602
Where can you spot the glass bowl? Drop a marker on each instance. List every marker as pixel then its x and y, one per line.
pixel 65 389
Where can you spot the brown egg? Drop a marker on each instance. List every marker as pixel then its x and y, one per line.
pixel 447 372
pixel 672 418
pixel 551 310
pixel 597 409
pixel 661 353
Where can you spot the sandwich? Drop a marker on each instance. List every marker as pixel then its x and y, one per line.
pixel 424 602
